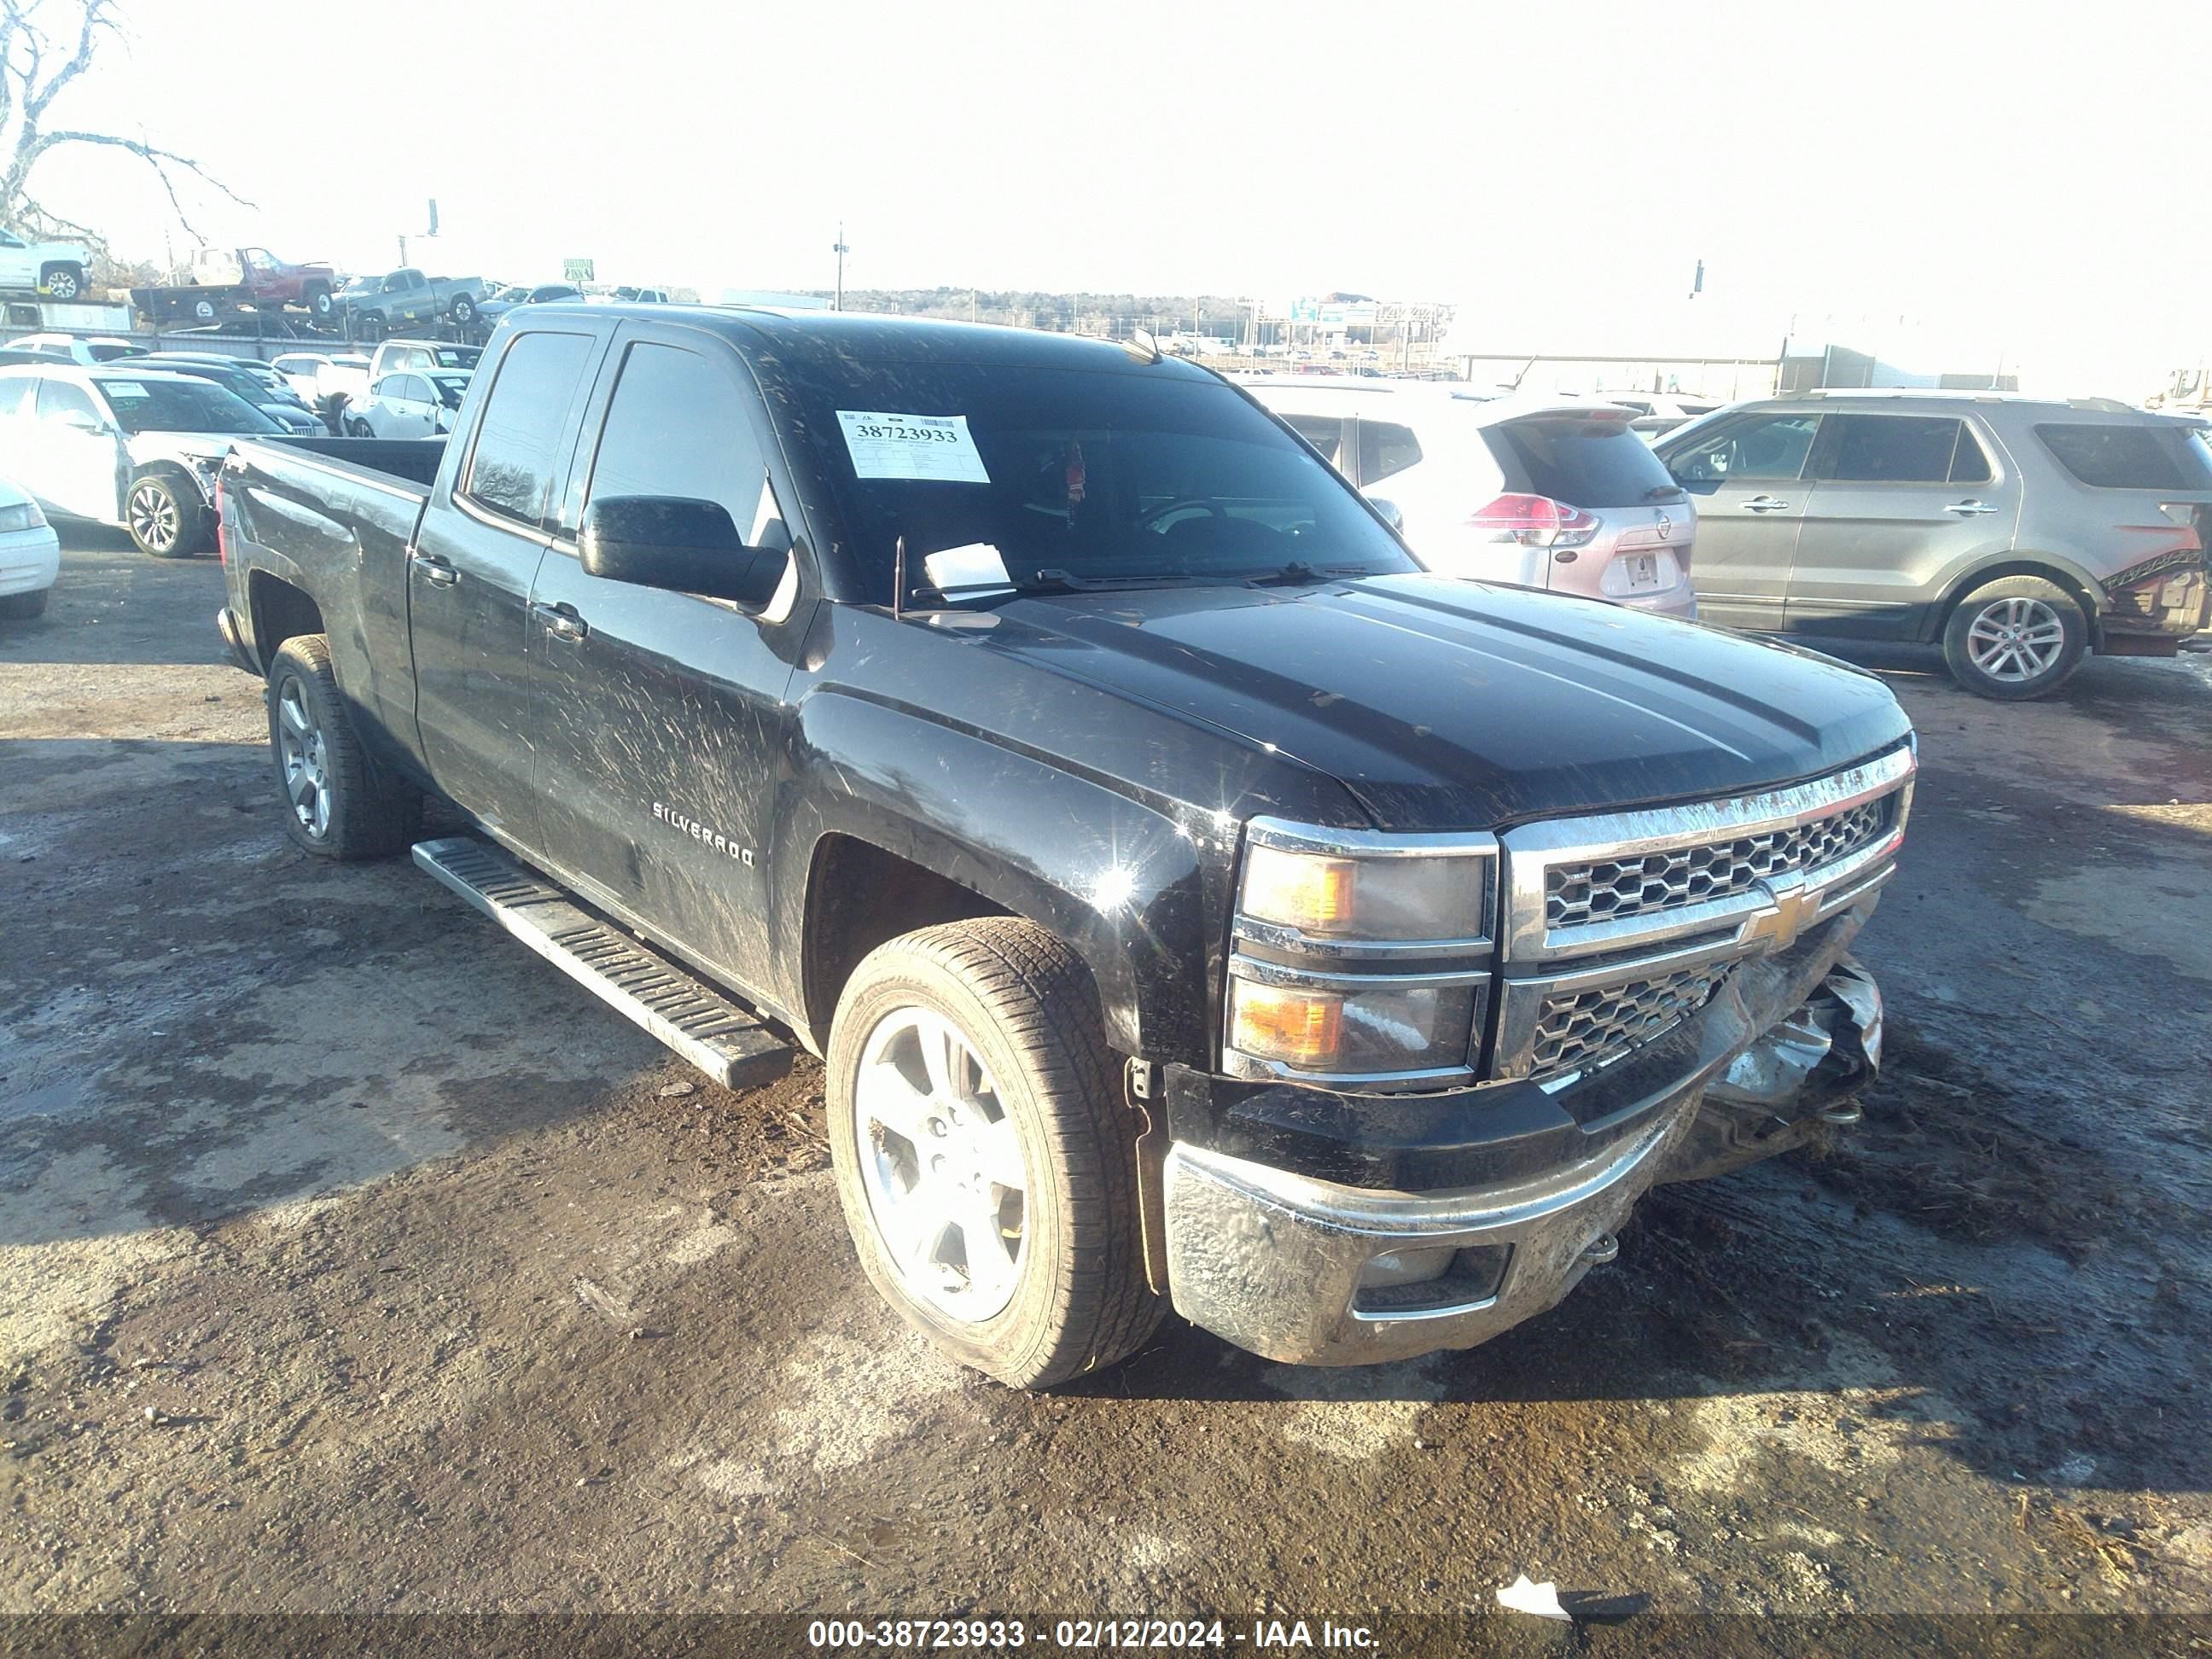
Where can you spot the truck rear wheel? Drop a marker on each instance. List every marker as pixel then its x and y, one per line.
pixel 338 803
pixel 985 1161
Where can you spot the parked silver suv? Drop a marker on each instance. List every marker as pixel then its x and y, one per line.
pixel 2022 534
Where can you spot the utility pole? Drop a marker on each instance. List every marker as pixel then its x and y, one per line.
pixel 840 250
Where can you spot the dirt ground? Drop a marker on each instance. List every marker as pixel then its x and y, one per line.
pixel 353 1260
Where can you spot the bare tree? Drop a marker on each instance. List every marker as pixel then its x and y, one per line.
pixel 45 45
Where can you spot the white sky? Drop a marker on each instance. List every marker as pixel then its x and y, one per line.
pixel 1947 181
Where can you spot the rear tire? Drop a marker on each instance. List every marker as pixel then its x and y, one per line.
pixel 2016 639
pixel 1030 1070
pixel 338 803
pixel 464 310
pixel 21 607
pixel 166 516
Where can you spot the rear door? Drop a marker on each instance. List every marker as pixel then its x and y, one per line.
pixel 1898 498
pixel 469 577
pixel 663 735
pixel 1747 479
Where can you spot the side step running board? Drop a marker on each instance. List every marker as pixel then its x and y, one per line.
pixel 723 1040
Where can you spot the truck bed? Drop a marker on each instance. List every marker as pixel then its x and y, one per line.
pixel 413 459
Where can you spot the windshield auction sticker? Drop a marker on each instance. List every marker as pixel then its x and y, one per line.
pixel 938 446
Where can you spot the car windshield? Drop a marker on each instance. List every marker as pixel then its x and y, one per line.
pixel 456 356
pixel 151 405
pixel 1077 477
pixel 450 388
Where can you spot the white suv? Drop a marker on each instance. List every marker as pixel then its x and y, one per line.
pixel 1554 493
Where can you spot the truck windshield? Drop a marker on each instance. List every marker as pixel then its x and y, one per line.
pixel 151 405
pixel 1124 479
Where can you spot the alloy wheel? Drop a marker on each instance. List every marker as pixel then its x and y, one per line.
pixel 942 1165
pixel 153 517
pixel 2016 639
pixel 303 754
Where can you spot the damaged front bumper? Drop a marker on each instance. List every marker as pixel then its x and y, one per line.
pixel 1314 1272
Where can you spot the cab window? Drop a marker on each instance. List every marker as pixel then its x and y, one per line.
pixel 519 450
pixel 678 425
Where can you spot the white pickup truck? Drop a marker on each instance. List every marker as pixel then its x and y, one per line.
pixel 54 270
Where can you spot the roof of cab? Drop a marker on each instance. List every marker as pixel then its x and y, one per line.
pixel 821 337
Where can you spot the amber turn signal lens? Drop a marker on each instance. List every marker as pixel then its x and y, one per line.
pixel 1304 890
pixel 1300 1029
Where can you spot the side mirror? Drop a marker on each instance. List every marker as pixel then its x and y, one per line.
pixel 1388 509
pixel 78 420
pixel 676 543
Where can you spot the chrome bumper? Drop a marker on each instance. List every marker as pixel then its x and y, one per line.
pixel 1274 1261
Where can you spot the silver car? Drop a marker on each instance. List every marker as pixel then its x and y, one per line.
pixel 1551 493
pixel 412 404
pixel 2019 534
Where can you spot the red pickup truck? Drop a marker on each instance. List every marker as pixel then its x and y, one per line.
pixel 219 279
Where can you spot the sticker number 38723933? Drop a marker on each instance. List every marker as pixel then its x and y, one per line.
pixel 887 446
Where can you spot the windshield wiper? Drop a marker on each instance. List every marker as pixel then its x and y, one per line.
pixel 1056 581
pixel 1298 571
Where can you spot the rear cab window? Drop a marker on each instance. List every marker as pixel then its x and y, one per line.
pixel 519 449
pixel 1580 459
pixel 2147 457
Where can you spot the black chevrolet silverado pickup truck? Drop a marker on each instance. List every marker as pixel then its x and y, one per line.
pixel 1193 900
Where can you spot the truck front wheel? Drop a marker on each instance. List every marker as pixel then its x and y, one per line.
pixel 985 1160
pixel 62 281
pixel 338 803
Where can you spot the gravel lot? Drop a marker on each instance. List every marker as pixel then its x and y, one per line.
pixel 356 1260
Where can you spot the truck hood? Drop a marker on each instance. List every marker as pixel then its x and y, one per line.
pixel 1446 705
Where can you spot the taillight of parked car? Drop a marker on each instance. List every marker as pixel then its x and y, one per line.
pixel 2195 517
pixel 1535 521
pixel 222 536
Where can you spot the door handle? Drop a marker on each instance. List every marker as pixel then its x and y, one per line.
pixel 561 620
pixel 1764 504
pixel 1970 509
pixel 435 570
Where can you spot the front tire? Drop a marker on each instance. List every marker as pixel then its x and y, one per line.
pixel 2016 639
pixel 337 803
pixel 63 282
pixel 985 1161
pixel 166 516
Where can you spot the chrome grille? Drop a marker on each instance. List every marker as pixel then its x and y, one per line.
pixel 1575 1029
pixel 1607 890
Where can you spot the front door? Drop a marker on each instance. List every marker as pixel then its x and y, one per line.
pixel 1898 499
pixel 469 577
pixel 1746 478
pixel 75 463
pixel 663 734
pixel 18 271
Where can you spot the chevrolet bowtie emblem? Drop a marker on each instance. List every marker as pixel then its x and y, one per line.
pixel 1790 910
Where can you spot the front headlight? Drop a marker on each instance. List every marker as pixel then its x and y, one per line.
pixel 1359 958
pixel 24 517
pixel 1348 887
